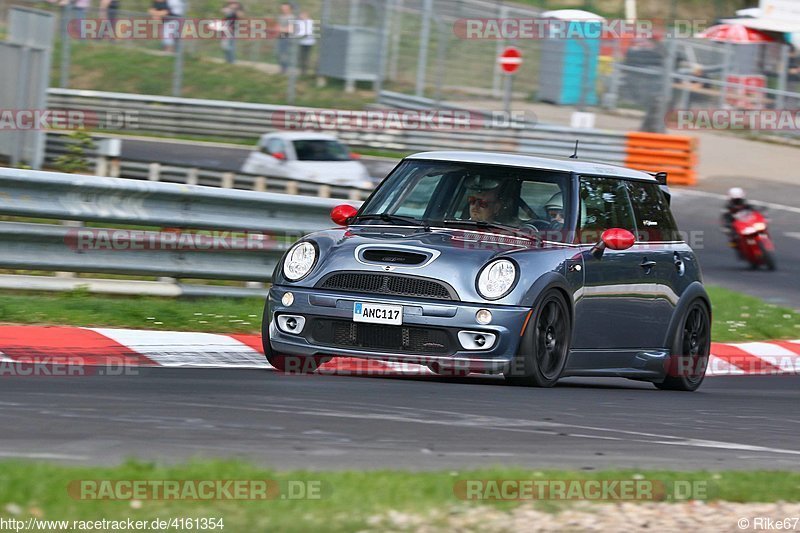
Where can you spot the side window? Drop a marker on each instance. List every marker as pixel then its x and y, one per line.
pixel 653 216
pixel 604 205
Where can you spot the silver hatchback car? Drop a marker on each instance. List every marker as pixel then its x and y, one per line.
pixel 496 263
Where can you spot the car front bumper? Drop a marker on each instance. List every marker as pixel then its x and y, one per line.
pixel 321 309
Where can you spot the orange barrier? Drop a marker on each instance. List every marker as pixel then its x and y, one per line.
pixel 658 152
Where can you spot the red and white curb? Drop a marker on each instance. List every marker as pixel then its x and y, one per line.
pixel 130 347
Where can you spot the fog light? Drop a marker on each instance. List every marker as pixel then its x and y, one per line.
pixel 484 316
pixel 476 340
pixel 291 323
pixel 287 299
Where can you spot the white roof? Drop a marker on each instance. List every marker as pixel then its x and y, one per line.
pixel 301 135
pixel 766 24
pixel 544 163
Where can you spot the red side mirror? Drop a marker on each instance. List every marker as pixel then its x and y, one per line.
pixel 618 238
pixel 341 214
pixel 279 155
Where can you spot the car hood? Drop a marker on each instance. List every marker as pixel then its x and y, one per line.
pixel 453 256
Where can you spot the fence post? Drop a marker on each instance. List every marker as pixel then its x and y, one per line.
pixel 424 37
pixel 397 22
pixel 291 187
pixel 260 184
pixel 783 74
pixel 227 180
pixel 154 171
pixel 101 166
pixel 66 51
pixel 192 176
pixel 324 191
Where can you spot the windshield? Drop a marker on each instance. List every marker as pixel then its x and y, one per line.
pixel 320 150
pixel 474 195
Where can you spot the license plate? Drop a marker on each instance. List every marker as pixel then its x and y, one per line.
pixel 378 313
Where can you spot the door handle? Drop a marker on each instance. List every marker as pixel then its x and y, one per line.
pixel 647 265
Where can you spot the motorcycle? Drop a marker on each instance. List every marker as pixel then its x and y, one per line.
pixel 751 239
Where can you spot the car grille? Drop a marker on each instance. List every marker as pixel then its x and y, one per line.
pixel 347 334
pixel 390 284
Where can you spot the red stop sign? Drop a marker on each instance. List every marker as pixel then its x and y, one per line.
pixel 510 60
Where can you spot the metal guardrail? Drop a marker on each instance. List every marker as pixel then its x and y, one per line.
pixel 235 120
pixel 249 231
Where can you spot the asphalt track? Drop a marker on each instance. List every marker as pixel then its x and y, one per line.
pixel 335 422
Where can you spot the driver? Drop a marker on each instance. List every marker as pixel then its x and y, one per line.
pixel 484 199
pixel 555 211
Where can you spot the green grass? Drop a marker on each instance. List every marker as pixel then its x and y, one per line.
pixel 737 317
pixel 117 68
pixel 347 499
pixel 79 308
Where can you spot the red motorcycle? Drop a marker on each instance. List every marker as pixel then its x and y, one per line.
pixel 752 239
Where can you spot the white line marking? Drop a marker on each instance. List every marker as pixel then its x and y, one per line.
pixel 793 234
pixel 691 192
pixel 43 456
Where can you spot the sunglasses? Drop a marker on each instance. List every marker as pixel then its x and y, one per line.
pixel 483 204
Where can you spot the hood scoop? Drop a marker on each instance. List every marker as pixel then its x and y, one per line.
pixel 407 256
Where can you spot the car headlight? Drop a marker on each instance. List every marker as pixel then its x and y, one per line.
pixel 497 279
pixel 299 261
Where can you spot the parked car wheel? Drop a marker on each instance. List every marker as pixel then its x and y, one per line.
pixel 690 350
pixel 543 350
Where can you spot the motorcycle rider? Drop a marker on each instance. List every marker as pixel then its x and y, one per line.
pixel 737 202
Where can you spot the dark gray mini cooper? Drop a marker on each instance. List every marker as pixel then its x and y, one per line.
pixel 497 263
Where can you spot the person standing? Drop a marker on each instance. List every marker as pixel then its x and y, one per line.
pixel 109 10
pixel 285 29
pixel 231 12
pixel 305 32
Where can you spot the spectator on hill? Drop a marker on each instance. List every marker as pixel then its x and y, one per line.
pixel 305 32
pixel 285 29
pixel 231 12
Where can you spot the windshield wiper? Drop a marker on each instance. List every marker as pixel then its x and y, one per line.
pixel 492 225
pixel 388 217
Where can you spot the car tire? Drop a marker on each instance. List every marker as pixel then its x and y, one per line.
pixel 543 349
pixel 690 350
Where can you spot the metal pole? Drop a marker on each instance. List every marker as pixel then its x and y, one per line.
pixel 507 96
pixel 441 59
pixel 23 88
pixel 726 70
pixel 384 47
pixel 291 88
pixel 177 71
pixel 783 74
pixel 424 37
pixel 66 17
pixel 498 49
pixel 397 23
